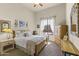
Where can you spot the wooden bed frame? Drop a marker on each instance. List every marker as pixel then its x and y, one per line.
pixel 38 47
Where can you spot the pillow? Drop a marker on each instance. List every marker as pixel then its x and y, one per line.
pixel 29 33
pixel 25 34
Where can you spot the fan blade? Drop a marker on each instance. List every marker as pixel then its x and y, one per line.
pixel 34 5
pixel 40 4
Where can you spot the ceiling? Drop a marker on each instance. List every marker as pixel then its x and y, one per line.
pixel 45 6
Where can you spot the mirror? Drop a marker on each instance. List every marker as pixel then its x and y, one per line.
pixel 5 25
pixel 74 19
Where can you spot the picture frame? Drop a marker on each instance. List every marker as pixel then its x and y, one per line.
pixel 5 25
pixel 21 24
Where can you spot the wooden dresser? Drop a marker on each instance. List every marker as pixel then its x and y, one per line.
pixel 6 45
pixel 68 48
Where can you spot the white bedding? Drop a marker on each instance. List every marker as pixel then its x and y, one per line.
pixel 22 41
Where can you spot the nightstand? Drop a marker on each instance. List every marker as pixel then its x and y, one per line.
pixel 6 45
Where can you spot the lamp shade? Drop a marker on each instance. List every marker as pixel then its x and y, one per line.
pixel 47 28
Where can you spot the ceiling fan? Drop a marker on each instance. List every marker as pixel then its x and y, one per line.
pixel 38 5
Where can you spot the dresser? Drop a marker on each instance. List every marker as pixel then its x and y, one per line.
pixel 68 48
pixel 61 30
pixel 6 45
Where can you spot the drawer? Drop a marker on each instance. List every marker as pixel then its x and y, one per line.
pixel 7 43
pixel 11 42
pixel 4 43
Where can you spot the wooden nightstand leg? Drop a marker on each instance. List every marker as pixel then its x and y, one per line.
pixel 2 50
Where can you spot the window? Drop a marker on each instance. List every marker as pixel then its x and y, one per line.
pixel 47 21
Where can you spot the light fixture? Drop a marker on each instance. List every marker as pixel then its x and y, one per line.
pixel 37 5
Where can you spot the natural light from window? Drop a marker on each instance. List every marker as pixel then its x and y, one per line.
pixel 47 21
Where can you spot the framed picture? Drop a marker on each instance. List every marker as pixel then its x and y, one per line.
pixel 21 24
pixel 5 26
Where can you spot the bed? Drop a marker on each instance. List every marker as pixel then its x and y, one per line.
pixel 32 44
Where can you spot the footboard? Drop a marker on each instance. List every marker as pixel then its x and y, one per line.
pixel 39 47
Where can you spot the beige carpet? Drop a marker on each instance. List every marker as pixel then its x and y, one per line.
pixel 15 52
pixel 51 49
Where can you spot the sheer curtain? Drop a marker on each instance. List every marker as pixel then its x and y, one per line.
pixel 47 21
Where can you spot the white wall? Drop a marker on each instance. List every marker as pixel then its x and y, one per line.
pixel 59 11
pixel 17 11
pixel 74 39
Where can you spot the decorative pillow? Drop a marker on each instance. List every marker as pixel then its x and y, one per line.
pixel 25 34
pixel 29 33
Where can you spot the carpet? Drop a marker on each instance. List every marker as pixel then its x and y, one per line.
pixel 15 52
pixel 52 49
